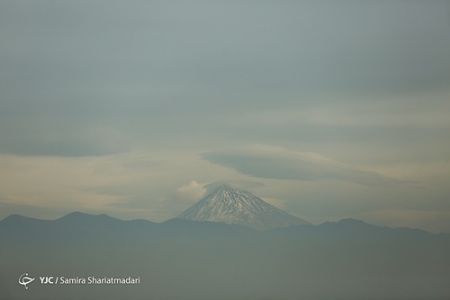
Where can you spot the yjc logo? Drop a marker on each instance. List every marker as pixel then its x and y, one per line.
pixel 25 280
pixel 47 280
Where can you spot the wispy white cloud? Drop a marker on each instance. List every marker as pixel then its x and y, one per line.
pixel 191 191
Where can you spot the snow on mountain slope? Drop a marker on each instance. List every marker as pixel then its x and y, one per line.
pixel 234 206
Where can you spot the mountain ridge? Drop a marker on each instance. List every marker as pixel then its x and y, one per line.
pixel 79 218
pixel 187 260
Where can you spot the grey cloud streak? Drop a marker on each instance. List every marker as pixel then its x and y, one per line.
pixel 279 163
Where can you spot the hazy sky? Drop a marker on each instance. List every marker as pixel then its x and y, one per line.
pixel 328 109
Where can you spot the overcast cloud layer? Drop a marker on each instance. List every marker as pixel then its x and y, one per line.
pixel 131 107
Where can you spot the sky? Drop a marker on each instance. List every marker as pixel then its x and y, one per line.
pixel 327 109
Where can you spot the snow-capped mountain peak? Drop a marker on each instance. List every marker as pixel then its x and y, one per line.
pixel 226 204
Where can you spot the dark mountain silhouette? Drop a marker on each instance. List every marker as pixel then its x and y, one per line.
pixel 185 259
